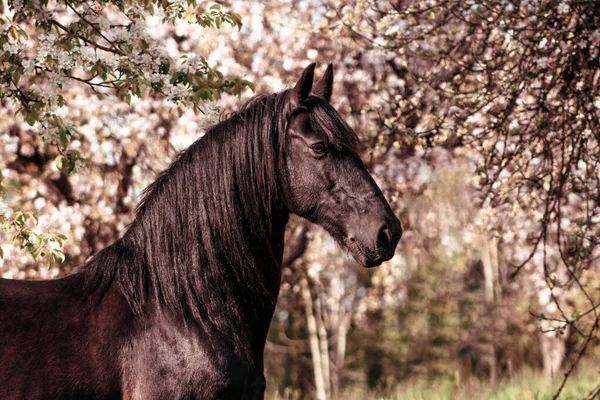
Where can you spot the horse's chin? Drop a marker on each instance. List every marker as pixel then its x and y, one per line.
pixel 363 257
pixel 367 262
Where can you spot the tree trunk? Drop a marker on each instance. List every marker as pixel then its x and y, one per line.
pixel 489 259
pixel 311 324
pixel 553 347
pixel 324 347
pixel 492 293
pixel 340 353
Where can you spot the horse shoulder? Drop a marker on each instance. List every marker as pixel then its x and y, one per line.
pixel 165 359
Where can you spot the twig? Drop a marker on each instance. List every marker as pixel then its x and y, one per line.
pixel 94 44
pixel 594 393
pixel 579 355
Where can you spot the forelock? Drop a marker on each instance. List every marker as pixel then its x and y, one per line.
pixel 325 118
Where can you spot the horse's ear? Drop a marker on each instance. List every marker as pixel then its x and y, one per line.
pixel 302 89
pixel 324 86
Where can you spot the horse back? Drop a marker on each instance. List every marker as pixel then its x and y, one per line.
pixel 56 342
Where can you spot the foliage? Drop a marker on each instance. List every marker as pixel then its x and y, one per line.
pixel 38 244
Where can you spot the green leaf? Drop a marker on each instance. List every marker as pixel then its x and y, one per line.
pixel 249 85
pixel 32 117
pixel 64 137
pixel 60 162
pixel 23 33
pixel 237 18
pixel 19 218
pixel 59 255
pixel 17 75
pixel 29 215
pixel 49 260
pixel 1 253
pixel 37 253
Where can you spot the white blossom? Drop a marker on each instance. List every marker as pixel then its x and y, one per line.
pixel 595 37
pixel 563 8
pixel 543 62
pixel 191 64
pixel 3 207
pixel 11 47
pixel 177 91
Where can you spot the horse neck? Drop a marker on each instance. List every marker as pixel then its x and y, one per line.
pixel 272 275
pixel 266 253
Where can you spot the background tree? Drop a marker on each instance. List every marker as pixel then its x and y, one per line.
pixel 50 48
pixel 517 83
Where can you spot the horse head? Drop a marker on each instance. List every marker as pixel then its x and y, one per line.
pixel 326 182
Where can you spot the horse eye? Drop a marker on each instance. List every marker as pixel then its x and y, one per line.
pixel 319 148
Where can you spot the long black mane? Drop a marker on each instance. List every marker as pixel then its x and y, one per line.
pixel 200 241
pixel 204 226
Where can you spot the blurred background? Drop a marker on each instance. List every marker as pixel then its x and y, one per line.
pixel 479 121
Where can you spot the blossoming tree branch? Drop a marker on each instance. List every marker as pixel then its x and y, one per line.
pixel 46 47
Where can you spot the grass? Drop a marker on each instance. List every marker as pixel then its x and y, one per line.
pixel 527 385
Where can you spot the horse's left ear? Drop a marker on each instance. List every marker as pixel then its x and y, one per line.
pixel 324 86
pixel 302 89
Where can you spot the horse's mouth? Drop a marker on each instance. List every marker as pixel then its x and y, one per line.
pixel 366 258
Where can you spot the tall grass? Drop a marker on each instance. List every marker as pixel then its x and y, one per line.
pixel 526 385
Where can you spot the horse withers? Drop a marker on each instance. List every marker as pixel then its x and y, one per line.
pixel 179 307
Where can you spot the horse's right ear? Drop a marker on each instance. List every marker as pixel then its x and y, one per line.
pixel 303 87
pixel 324 86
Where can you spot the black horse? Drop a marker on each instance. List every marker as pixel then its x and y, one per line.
pixel 180 306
